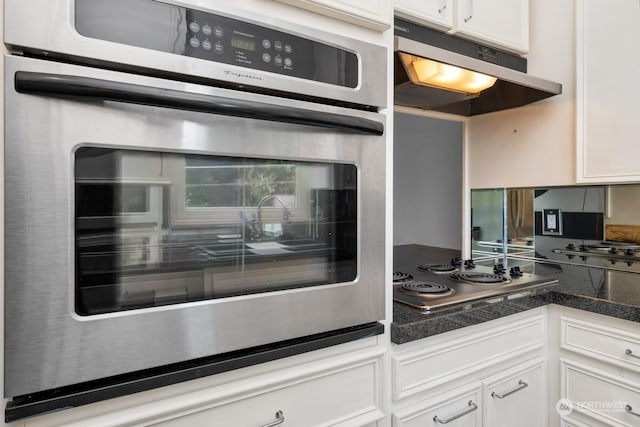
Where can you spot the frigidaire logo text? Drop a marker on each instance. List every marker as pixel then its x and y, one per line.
pixel 244 75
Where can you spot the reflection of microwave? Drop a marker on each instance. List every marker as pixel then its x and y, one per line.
pixel 100 139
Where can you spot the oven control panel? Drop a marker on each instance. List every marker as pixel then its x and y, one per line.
pixel 188 32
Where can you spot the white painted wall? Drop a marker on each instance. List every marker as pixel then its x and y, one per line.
pixel 427 188
pixel 534 145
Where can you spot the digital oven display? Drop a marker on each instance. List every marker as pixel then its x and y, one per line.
pixel 243 44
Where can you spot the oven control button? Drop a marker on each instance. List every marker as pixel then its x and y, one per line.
pixel 277 45
pixel 206 44
pixel 218 31
pixel 278 61
pixel 288 48
pixel 194 42
pixel 206 30
pixel 266 57
pixel 288 62
pixel 218 48
pixel 194 27
pixel 266 43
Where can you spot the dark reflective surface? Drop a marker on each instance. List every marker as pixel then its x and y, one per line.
pixel 157 228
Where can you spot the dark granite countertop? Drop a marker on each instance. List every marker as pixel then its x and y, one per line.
pixel 609 292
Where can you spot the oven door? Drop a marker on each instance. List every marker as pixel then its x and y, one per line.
pixel 150 222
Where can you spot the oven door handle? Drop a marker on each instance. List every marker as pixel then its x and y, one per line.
pixel 86 87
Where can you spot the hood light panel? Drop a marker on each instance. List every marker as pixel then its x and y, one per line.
pixel 436 74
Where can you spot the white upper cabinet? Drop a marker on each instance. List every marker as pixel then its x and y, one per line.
pixel 499 23
pixel 374 14
pixel 503 23
pixel 607 66
pixel 434 13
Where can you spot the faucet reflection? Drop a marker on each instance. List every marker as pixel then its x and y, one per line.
pixel 259 226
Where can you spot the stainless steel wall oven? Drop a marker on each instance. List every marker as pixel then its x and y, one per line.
pixel 182 184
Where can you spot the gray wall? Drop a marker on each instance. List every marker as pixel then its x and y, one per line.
pixel 427 181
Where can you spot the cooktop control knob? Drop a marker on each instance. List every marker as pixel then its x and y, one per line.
pixel 469 264
pixel 455 262
pixel 571 247
pixel 515 272
pixel 499 268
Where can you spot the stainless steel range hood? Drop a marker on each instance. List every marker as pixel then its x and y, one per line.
pixel 513 87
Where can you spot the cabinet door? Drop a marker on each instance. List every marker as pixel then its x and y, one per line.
pixel 607 112
pixel 458 408
pixel 516 397
pixel 503 23
pixel 434 13
pixel 375 14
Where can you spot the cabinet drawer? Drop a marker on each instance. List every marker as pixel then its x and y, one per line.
pixel 615 346
pixel 516 397
pixel 437 362
pixel 341 390
pixel 462 407
pixel 333 398
pixel 599 395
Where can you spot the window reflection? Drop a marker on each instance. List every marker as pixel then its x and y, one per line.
pixel 158 228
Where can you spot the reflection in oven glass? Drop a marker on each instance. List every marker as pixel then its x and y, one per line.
pixel 156 228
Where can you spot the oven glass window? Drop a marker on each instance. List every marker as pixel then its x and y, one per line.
pixel 155 228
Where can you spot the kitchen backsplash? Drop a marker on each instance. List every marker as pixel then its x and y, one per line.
pixel 533 221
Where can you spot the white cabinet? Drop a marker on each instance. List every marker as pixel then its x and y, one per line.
pixel 599 369
pixel 607 64
pixel 434 13
pixel 499 23
pixel 492 374
pixel 374 14
pixel 503 23
pixel 460 408
pixel 341 389
pixel 516 397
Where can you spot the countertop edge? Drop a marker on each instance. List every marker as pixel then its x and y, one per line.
pixel 413 331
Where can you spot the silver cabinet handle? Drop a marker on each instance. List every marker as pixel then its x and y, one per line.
pixel 468 18
pixel 279 420
pixel 444 6
pixel 520 386
pixel 628 352
pixel 629 409
pixel 472 407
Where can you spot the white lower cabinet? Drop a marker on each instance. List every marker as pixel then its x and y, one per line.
pixel 343 389
pixel 461 407
pixel 492 374
pixel 599 369
pixel 517 397
pixel 341 395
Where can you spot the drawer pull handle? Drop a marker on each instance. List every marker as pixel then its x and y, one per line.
pixel 472 407
pixel 279 420
pixel 444 6
pixel 521 385
pixel 628 352
pixel 629 409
